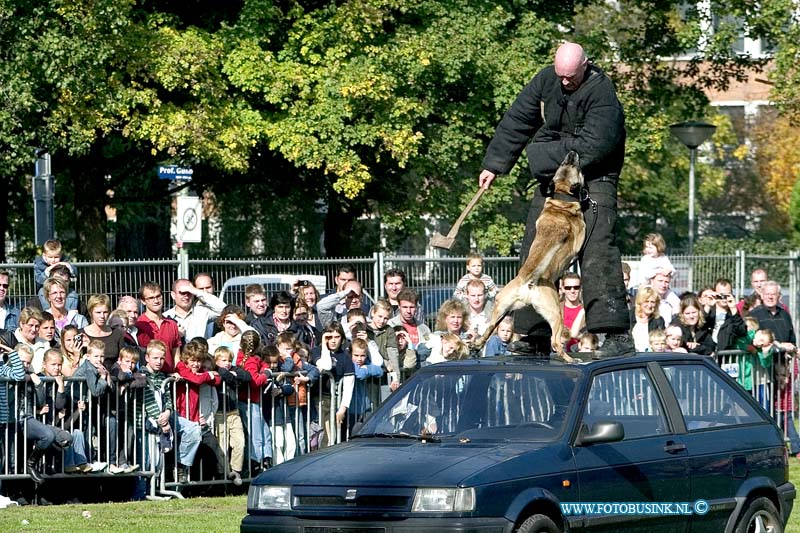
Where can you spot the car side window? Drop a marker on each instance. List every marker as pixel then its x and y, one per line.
pixel 706 400
pixel 626 396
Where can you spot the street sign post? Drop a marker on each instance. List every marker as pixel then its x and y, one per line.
pixel 190 217
pixel 189 213
pixel 175 172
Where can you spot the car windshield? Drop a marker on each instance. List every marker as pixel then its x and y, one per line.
pixel 478 404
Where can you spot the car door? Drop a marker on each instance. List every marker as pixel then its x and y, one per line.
pixel 649 465
pixel 728 439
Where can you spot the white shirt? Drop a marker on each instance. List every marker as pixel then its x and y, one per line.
pixel 205 309
pixel 669 307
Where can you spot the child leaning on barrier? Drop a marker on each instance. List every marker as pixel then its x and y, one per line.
pixel 127 378
pixel 274 407
pixel 44 436
pixel 58 410
pixel 762 366
pixel 305 376
pixel 360 404
pixel 193 383
pixel 99 385
pixel 227 421
pixel 744 365
pixel 250 398
pixel 159 409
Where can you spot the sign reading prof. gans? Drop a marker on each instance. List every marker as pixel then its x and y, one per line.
pixel 190 216
pixel 175 172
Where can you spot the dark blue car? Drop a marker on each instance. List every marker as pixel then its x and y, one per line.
pixel 651 443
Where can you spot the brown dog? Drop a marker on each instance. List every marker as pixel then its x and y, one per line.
pixel 560 231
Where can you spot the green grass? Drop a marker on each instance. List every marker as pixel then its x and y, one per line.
pixel 794 476
pixel 210 515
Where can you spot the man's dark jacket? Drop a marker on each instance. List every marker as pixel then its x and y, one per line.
pixel 589 121
pixel 732 328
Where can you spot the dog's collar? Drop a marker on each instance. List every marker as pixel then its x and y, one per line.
pixel 566 197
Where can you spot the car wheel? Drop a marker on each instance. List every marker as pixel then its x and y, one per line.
pixel 538 523
pixel 760 516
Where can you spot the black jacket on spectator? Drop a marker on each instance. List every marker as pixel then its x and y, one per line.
pixel 731 329
pixel 700 335
pixel 779 322
pixel 232 379
pixel 268 331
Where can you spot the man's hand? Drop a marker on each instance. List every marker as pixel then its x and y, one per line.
pixel 486 178
pixel 163 418
pixel 340 414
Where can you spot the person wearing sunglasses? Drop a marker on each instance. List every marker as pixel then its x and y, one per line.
pixel 572 307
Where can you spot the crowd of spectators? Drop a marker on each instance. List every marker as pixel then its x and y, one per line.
pixel 295 370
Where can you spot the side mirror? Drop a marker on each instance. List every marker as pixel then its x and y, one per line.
pixel 602 432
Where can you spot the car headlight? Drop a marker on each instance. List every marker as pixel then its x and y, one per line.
pixel 443 500
pixel 269 497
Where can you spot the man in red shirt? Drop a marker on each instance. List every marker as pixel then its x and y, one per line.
pixel 153 325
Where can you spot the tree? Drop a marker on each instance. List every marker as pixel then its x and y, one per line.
pixel 316 114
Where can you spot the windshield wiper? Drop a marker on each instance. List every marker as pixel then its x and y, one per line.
pixel 401 435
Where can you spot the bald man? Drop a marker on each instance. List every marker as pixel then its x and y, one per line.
pixel 571 105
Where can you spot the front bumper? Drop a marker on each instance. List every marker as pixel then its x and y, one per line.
pixel 291 524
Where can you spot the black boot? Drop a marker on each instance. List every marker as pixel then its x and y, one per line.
pixel 616 345
pixel 531 345
pixel 33 465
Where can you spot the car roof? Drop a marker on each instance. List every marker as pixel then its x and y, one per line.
pixel 319 282
pixel 581 366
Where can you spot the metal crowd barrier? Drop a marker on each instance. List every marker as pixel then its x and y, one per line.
pixel 113 429
pixel 775 387
pixel 113 426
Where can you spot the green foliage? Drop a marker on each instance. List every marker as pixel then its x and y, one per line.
pixel 717 246
pixel 794 211
pixel 371 107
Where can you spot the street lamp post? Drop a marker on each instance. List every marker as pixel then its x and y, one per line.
pixel 692 134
